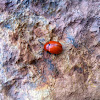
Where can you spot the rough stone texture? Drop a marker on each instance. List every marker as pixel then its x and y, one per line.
pixel 27 72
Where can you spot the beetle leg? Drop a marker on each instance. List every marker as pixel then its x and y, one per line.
pixel 48 52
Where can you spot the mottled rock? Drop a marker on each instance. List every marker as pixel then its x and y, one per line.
pixel 29 72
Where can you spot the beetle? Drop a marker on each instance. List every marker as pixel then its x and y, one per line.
pixel 53 47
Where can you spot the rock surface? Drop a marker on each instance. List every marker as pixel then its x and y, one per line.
pixel 27 72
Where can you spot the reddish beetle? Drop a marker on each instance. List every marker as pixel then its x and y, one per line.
pixel 53 47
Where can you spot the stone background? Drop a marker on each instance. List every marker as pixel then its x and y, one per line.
pixel 27 72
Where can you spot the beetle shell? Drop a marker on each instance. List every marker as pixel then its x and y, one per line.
pixel 53 47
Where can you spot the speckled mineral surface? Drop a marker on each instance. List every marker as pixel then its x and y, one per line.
pixel 27 72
